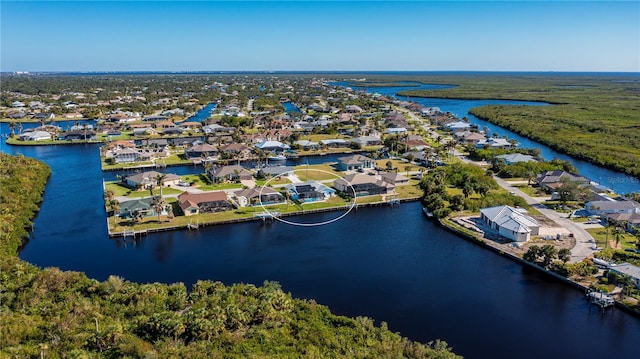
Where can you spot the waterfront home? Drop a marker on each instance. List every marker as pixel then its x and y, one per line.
pixel 152 142
pixel 186 142
pixel 553 179
pixel 510 223
pixel 78 135
pixel 35 136
pixel 516 158
pixel 236 150
pixel 494 143
pixel 310 191
pixel 44 116
pixel 258 196
pixel 213 128
pixel 120 144
pixel 230 173
pixel 149 179
pixel 308 145
pixel 613 206
pixel 355 162
pixel 458 125
pixel 368 141
pixel 628 270
pixel 272 146
pixel 124 155
pixel 144 131
pixel 201 150
pixel 143 207
pixel 395 178
pixel 357 185
pixel 334 143
pixel 271 171
pixel 206 202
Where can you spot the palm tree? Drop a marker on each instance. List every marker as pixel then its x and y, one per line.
pixel 12 127
pixel 159 181
pixel 158 203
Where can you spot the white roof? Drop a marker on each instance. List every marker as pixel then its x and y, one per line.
pixel 510 218
pixel 271 144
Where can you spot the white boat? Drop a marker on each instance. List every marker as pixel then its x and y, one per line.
pixel 278 158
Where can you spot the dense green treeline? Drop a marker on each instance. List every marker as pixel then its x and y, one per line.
pixel 54 314
pixel 462 186
pixel 596 118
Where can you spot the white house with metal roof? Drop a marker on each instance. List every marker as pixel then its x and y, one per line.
pixel 510 223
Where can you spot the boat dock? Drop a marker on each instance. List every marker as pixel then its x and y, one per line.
pixel 600 299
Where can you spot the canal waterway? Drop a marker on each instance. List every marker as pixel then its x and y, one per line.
pixel 619 182
pixel 388 263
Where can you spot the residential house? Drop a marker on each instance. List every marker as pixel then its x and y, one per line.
pixel 395 130
pixel 334 143
pixel 149 179
pixel 236 150
pixel 458 125
pixel 201 150
pixel 308 145
pixel 35 136
pixel 310 191
pixel 516 158
pixel 613 206
pixel 142 206
pixel 357 185
pixel 510 223
pixel 355 162
pixel 172 131
pixel 259 196
pixel 272 146
pixel 124 155
pixel 629 270
pixel 79 135
pixel 368 140
pixel 231 173
pixel 395 178
pixel 554 179
pixel 630 221
pixel 186 142
pixel 206 202
pixel 495 143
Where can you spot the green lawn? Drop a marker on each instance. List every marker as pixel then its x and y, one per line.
pixel 120 190
pixel 317 172
pixel 600 234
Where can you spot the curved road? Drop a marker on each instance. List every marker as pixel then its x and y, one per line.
pixel 584 241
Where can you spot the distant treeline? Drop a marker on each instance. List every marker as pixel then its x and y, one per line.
pixel 50 313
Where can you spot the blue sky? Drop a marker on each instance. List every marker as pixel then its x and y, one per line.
pixel 311 35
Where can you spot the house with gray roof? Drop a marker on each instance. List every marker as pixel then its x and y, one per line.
pixel 629 270
pixel 516 158
pixel 355 162
pixel 357 185
pixel 510 223
pixel 231 173
pixel 149 179
pixel 613 206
